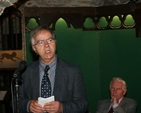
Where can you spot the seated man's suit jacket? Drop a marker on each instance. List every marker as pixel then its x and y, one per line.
pixel 68 87
pixel 126 105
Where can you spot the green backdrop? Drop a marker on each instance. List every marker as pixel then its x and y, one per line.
pixel 101 55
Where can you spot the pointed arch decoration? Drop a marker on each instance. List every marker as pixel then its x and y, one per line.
pixel 76 16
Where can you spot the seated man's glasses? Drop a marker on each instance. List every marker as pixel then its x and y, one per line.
pixel 42 42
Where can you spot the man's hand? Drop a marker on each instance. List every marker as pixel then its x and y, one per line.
pixel 34 107
pixel 114 100
pixel 53 107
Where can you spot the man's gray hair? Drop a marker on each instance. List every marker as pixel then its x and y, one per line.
pixel 37 30
pixel 120 80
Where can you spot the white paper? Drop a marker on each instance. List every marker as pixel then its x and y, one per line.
pixel 2 94
pixel 42 101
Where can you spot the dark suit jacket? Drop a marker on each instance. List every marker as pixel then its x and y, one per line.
pixel 126 105
pixel 68 87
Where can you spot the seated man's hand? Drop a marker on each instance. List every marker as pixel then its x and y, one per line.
pixel 114 100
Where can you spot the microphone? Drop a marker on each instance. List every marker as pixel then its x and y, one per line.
pixel 19 70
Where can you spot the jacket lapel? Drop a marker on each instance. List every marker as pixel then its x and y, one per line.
pixel 34 78
pixel 59 80
pixel 122 101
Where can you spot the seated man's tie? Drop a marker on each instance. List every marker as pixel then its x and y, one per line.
pixel 111 110
pixel 46 85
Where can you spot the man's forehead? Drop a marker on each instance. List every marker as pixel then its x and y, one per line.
pixel 117 83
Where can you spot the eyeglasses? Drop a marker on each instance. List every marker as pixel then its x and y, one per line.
pixel 42 42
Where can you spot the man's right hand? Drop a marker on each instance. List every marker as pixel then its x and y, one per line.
pixel 34 107
pixel 114 100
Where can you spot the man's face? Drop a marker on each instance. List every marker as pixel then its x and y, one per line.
pixel 47 50
pixel 117 90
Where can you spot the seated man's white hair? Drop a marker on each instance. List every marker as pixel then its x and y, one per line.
pixel 120 80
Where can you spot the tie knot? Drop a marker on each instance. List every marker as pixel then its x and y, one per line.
pixel 47 68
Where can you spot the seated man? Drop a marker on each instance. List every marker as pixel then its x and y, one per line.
pixel 118 103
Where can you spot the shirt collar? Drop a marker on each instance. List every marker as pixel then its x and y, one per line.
pixel 120 100
pixel 42 65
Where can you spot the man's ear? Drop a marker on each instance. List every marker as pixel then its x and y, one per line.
pixel 34 49
pixel 125 91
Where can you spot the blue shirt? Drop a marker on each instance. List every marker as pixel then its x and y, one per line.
pixel 51 74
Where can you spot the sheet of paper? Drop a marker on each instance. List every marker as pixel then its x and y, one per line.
pixel 42 101
pixel 2 94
